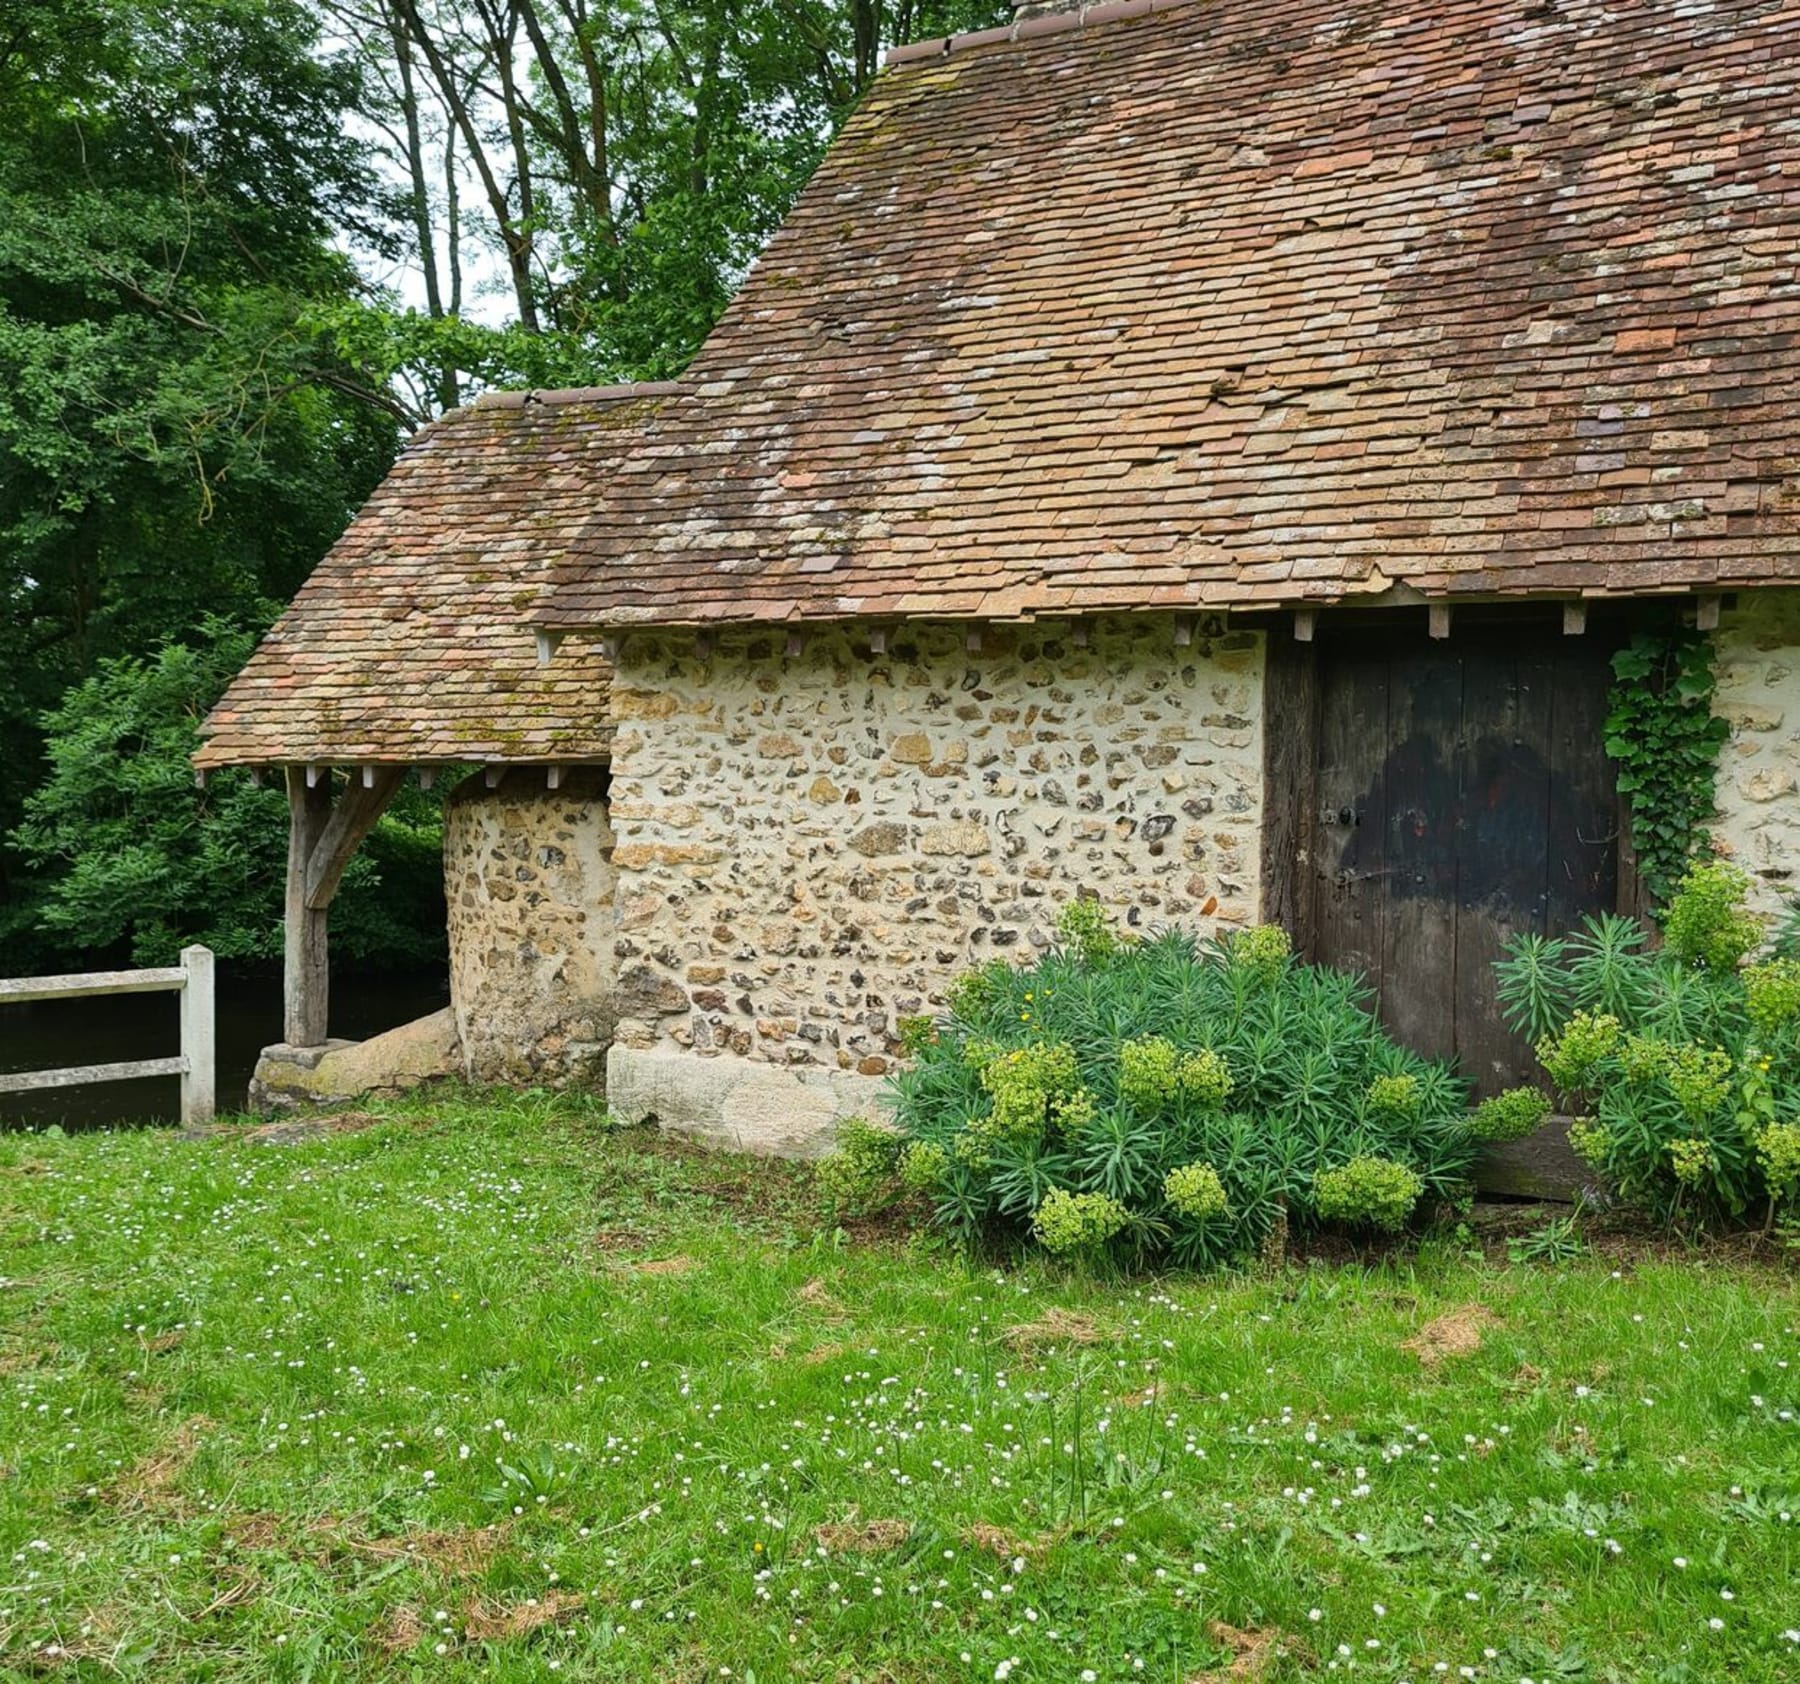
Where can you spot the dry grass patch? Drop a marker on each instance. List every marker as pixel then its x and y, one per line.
pixel 666 1266
pixel 815 1295
pixel 454 1552
pixel 397 1630
pixel 863 1537
pixel 1253 1652
pixel 996 1540
pixel 1053 1327
pixel 1456 1333
pixel 152 1479
pixel 491 1622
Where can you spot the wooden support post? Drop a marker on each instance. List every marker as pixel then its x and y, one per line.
pixel 1574 618
pixel 1437 619
pixel 305 981
pixel 1706 612
pixel 199 1080
pixel 1306 623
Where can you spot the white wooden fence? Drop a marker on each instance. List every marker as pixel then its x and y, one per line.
pixel 196 1063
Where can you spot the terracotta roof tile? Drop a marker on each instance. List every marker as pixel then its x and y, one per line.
pixel 410 642
pixel 1252 304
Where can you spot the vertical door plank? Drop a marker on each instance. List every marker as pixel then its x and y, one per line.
pixel 1584 842
pixel 1348 819
pixel 1423 777
pixel 1290 773
pixel 1508 705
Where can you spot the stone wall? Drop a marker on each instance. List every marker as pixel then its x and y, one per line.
pixel 1758 645
pixel 810 848
pixel 529 879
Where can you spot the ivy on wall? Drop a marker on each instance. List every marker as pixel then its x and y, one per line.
pixel 1661 729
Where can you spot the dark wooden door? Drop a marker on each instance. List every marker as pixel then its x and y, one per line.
pixel 1463 794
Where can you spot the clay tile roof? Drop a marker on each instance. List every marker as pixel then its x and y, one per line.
pixel 409 642
pixel 1231 305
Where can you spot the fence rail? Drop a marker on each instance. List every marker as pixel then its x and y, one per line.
pixel 196 1064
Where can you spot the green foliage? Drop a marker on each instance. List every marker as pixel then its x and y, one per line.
pixel 1367 1192
pixel 127 853
pixel 861 1166
pixel 1511 1115
pixel 1086 930
pixel 1662 732
pixel 1707 923
pixel 1199 1088
pixel 1683 1059
pixel 1557 1242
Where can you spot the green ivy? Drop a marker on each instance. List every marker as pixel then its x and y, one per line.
pixel 1661 730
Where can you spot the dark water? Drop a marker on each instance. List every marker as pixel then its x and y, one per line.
pixel 58 1033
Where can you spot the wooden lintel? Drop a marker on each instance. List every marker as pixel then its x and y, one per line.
pixel 1574 618
pixel 1306 624
pixel 351 820
pixel 1706 611
pixel 548 642
pixel 1437 619
pixel 491 776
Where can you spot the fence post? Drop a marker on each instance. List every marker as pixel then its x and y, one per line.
pixel 199 1087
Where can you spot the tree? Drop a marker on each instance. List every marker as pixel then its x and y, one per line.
pixel 127 853
pixel 180 431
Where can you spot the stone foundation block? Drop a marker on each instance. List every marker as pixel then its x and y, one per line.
pixel 341 1072
pixel 737 1104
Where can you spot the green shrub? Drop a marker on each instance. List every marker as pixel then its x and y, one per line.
pixel 860 1169
pixel 1684 1059
pixel 1165 1098
pixel 1367 1192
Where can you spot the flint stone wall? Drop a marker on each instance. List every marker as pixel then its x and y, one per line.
pixel 529 881
pixel 1758 790
pixel 811 848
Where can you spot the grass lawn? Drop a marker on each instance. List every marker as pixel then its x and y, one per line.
pixel 483 1390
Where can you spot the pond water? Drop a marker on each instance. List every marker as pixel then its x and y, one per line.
pixel 53 1034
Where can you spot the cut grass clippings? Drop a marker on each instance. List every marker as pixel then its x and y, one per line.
pixel 482 1389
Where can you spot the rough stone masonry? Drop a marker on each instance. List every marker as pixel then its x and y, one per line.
pixel 810 848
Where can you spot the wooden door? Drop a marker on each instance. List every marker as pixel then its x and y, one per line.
pixel 1462 794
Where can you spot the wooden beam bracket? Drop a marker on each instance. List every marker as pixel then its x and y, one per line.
pixel 351 820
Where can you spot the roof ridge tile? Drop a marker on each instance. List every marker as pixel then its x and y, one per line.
pixel 1030 28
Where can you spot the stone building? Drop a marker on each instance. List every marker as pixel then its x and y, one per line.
pixel 1201 457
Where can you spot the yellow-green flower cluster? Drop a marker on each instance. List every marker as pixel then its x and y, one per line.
pixel 1026 1084
pixel 1707 923
pixel 1262 953
pixel 1590 1142
pixel 1067 1222
pixel 1572 1057
pixel 1700 1079
pixel 978 991
pixel 1642 1058
pixel 923 1165
pixel 1692 1160
pixel 1772 995
pixel 1196 1192
pixel 1778 1154
pixel 1153 1072
pixel 863 1160
pixel 1374 1191
pixel 1086 930
pixel 917 1033
pixel 1395 1098
pixel 1511 1115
